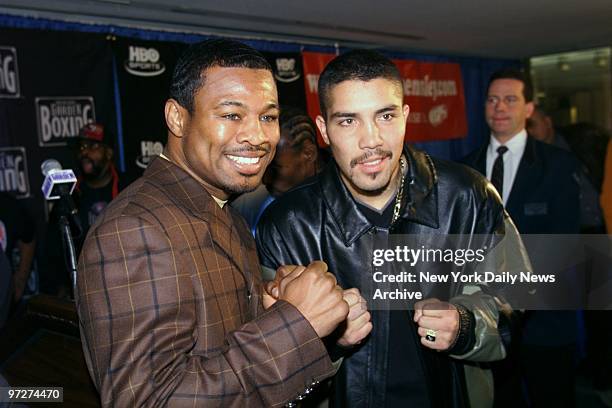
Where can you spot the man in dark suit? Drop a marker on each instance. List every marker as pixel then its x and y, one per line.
pixel 538 186
pixel 170 299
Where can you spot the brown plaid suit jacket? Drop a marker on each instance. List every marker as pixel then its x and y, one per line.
pixel 169 302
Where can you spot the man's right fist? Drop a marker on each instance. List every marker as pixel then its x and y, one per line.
pixel 358 321
pixel 314 292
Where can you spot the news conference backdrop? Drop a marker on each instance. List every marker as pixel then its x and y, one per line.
pixel 51 84
pixel 55 77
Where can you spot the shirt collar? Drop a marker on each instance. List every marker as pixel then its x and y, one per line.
pixel 219 201
pixel 516 144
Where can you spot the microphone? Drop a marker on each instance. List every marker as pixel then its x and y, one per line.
pixel 57 182
pixel 58 185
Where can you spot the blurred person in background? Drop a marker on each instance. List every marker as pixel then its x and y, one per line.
pixel 297 158
pixel 591 144
pixel 537 183
pixel 98 181
pixel 5 288
pixel 588 145
pixel 16 242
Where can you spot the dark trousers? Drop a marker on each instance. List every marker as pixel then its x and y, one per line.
pixel 548 375
pixel 599 347
pixel 508 392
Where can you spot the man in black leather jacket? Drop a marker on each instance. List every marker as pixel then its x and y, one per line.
pixel 376 187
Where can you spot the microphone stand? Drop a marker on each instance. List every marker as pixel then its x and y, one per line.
pixel 67 211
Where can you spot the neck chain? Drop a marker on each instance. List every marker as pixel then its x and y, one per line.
pixel 397 206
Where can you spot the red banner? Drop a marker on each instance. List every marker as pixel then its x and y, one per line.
pixel 313 64
pixel 434 92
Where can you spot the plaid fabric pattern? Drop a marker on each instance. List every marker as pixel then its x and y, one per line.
pixel 169 301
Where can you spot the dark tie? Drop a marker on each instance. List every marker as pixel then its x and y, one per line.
pixel 497 176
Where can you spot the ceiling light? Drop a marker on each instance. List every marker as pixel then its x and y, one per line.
pixel 600 60
pixel 563 65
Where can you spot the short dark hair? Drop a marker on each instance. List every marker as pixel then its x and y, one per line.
pixel 519 75
pixel 299 126
pixel 361 65
pixel 188 76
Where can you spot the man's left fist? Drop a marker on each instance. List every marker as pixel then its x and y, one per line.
pixel 438 323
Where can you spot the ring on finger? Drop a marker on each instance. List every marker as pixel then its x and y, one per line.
pixel 430 335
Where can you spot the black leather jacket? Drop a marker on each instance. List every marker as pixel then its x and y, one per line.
pixel 320 221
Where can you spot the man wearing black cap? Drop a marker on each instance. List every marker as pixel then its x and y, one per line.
pixel 98 180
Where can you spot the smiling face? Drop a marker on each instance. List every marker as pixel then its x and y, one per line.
pixel 506 109
pixel 230 138
pixel 365 126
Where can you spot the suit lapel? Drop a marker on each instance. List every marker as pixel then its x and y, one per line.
pixel 185 191
pixel 528 178
pixel 238 245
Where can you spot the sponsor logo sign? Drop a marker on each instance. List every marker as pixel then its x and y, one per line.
pixel 148 150
pixel 437 115
pixel 286 70
pixel 14 171
pixel 143 61
pixel 434 92
pixel 61 118
pixel 9 74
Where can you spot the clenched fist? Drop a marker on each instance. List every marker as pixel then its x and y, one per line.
pixel 437 318
pixel 314 292
pixel 358 324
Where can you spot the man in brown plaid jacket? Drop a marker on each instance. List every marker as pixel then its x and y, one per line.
pixel 169 296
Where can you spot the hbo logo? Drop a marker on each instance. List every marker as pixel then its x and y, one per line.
pixel 140 54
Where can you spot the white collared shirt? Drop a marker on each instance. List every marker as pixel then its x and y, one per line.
pixel 512 159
